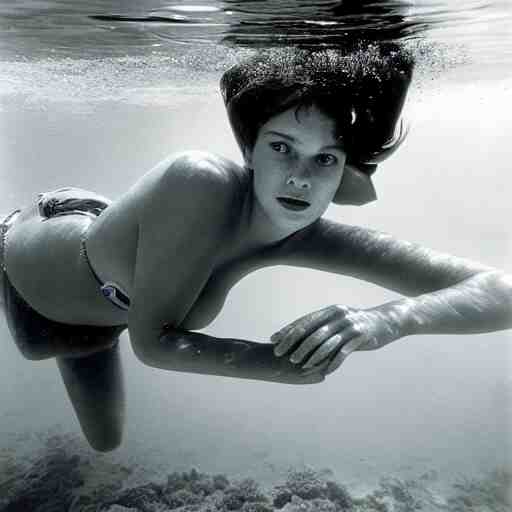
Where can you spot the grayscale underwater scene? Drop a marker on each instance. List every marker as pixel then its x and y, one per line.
pixel 94 93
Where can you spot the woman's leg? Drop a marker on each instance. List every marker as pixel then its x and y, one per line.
pixel 95 387
pixel 87 356
pixel 88 359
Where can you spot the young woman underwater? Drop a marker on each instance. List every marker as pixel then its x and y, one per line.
pixel 78 269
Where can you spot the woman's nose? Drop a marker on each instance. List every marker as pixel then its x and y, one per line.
pixel 300 177
pixel 299 181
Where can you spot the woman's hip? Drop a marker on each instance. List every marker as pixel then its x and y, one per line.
pixel 44 262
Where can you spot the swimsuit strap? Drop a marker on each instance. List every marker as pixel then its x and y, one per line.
pixel 110 290
pixel 83 253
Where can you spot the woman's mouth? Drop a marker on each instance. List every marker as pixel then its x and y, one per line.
pixel 291 203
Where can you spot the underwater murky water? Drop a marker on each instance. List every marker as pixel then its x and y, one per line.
pixel 93 94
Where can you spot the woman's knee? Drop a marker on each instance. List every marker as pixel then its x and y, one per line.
pixel 95 388
pixel 102 422
pixel 107 442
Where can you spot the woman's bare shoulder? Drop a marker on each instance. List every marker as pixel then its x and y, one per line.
pixel 192 177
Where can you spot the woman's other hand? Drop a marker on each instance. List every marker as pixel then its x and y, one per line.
pixel 322 340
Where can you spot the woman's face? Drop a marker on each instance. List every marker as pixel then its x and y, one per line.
pixel 298 165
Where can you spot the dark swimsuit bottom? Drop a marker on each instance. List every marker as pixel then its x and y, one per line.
pixel 34 333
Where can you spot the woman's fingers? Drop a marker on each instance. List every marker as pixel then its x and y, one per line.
pixel 317 338
pixel 323 351
pixel 331 346
pixel 327 366
pixel 286 338
pixel 345 350
pixel 316 316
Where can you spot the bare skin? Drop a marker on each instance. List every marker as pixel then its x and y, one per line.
pixel 193 226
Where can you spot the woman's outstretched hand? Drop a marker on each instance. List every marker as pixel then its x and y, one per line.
pixel 323 339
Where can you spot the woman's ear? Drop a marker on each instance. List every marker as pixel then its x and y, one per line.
pixel 356 188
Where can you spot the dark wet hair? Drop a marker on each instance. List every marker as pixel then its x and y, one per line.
pixel 362 87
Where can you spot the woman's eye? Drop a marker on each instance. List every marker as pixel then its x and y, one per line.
pixel 280 147
pixel 326 159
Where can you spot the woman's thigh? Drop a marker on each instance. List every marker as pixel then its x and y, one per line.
pixel 95 388
pixel 38 337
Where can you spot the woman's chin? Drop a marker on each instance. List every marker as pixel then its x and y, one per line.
pixel 293 221
pixel 301 218
pixel 285 221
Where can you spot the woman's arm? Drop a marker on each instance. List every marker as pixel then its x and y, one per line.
pixel 185 211
pixel 192 352
pixel 478 304
pixel 446 294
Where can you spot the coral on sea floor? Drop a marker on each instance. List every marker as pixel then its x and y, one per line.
pixel 48 484
pixel 62 475
pixel 492 494
pixel 193 492
pixel 309 486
